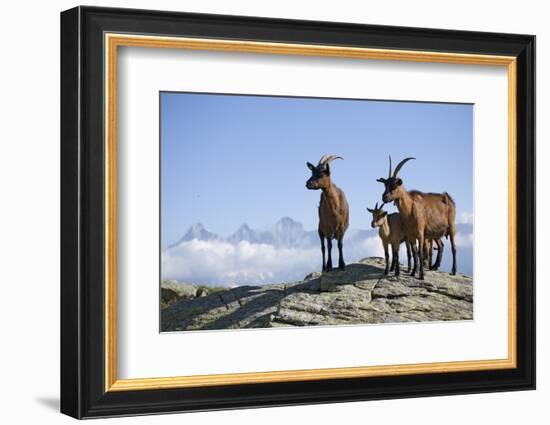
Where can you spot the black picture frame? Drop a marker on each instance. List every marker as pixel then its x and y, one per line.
pixel 83 392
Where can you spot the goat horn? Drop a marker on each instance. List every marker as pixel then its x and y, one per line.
pixel 400 165
pixel 389 174
pixel 376 206
pixel 325 159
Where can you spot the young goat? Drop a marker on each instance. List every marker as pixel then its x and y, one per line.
pixel 424 215
pixel 333 209
pixel 391 231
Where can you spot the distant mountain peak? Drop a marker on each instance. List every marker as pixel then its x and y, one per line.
pixel 197 227
pixel 199 232
pixel 287 221
pixel 243 233
pixel 288 232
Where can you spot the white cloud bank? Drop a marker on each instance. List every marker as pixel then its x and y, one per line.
pixel 464 240
pixel 222 263
pixel 219 262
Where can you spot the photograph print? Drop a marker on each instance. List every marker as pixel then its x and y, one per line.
pixel 284 211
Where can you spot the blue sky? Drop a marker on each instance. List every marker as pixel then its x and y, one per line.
pixel 230 159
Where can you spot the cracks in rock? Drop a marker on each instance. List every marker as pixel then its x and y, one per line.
pixel 453 296
pixel 375 285
pixel 289 322
pixel 418 310
pixel 362 288
pixel 390 296
pixel 278 309
pixel 224 303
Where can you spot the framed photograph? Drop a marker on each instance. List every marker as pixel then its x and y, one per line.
pixel 261 212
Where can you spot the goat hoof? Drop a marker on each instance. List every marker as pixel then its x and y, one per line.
pixel 453 273
pixel 342 267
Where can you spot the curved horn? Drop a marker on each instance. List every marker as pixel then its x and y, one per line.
pixel 389 174
pixel 325 159
pixel 400 165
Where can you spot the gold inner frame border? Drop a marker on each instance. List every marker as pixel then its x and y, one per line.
pixel 113 41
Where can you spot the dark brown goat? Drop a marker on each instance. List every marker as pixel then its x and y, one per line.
pixel 425 215
pixel 391 232
pixel 333 209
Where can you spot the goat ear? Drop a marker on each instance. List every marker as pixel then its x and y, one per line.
pixel 327 170
pixel 310 166
pixel 381 180
pixel 399 182
pixel 369 210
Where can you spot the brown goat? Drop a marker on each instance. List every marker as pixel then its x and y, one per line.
pixel 425 215
pixel 391 232
pixel 333 209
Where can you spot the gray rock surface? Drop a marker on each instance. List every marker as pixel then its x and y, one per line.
pixel 172 291
pixel 360 294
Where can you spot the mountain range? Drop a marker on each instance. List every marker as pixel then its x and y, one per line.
pixel 286 233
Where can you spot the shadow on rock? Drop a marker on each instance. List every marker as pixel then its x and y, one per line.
pixel 356 273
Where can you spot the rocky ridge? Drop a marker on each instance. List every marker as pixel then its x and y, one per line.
pixel 361 294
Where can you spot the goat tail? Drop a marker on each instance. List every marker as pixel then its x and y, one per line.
pixel 450 198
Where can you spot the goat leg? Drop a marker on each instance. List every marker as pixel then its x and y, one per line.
pixel 437 263
pixel 408 245
pixel 341 264
pixel 453 250
pixel 415 257
pixel 387 257
pixel 396 259
pixel 324 267
pixel 329 259
pixel 421 256
pixel 430 253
